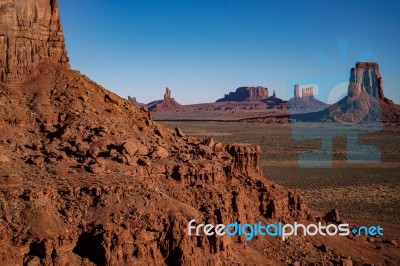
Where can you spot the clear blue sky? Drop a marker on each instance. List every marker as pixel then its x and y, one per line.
pixel 204 49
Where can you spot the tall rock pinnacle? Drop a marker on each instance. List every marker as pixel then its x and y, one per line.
pixel 30 34
pixel 167 94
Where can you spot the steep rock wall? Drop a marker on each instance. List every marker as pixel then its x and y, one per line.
pixel 366 77
pixel 30 34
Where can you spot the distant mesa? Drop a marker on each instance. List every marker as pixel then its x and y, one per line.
pixel 246 94
pixel 168 104
pixel 274 102
pixel 135 102
pixel 305 101
pixel 243 99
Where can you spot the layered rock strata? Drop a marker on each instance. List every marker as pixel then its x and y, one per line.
pixel 246 94
pixel 30 34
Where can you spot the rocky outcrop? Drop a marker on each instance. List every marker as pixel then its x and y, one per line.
pixel 364 103
pixel 96 182
pixel 307 92
pixel 366 77
pixel 135 102
pixel 30 34
pixel 273 102
pixel 167 94
pixel 138 223
pixel 168 104
pixel 297 91
pixel 306 101
pixel 246 94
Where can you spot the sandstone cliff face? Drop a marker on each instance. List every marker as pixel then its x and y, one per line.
pixel 30 33
pixel 366 77
pixel 244 94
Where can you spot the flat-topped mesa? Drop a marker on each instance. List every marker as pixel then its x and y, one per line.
pixel 135 102
pixel 366 77
pixel 30 34
pixel 246 94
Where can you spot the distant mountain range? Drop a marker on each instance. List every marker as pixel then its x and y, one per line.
pixel 243 99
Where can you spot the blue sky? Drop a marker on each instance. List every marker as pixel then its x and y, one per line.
pixel 204 49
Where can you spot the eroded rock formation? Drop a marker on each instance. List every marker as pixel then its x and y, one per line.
pixel 30 34
pixel 246 94
pixel 307 92
pixel 305 100
pixel 366 77
pixel 297 91
pixel 365 102
pixel 168 104
pixel 135 102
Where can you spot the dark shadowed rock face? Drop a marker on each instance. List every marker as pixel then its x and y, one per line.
pixel 246 94
pixel 30 34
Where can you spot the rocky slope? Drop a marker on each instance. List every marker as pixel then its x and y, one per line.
pixel 306 104
pixel 135 102
pixel 89 178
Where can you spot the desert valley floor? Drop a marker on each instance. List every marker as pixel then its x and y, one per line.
pixel 359 191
